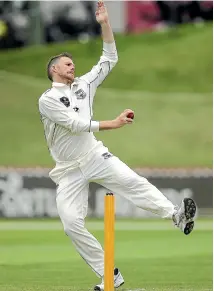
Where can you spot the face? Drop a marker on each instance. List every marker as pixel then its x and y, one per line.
pixel 65 69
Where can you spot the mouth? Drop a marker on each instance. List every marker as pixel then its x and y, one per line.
pixel 71 74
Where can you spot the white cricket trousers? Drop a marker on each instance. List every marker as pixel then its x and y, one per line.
pixel 72 201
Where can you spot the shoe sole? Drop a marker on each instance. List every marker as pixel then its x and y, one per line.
pixel 189 227
pixel 190 211
pixel 96 288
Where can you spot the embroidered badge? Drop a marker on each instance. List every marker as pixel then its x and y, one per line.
pixel 65 101
pixel 80 94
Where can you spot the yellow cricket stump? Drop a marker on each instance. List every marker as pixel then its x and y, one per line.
pixel 109 219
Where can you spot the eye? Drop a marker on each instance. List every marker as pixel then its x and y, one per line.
pixel 70 64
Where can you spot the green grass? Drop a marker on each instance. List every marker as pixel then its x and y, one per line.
pixel 153 256
pixel 165 78
pixel 169 62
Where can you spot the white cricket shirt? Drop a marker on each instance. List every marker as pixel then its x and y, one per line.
pixel 66 113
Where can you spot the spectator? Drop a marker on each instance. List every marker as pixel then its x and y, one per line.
pixel 177 12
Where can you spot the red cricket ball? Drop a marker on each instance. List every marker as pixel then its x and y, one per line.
pixel 130 115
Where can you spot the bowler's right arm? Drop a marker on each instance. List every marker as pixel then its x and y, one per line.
pixel 54 110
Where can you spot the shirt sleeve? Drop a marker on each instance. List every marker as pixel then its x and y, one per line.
pixel 58 113
pixel 106 63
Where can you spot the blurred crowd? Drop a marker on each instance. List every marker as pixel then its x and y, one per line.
pixel 22 22
pixel 178 12
pixel 49 21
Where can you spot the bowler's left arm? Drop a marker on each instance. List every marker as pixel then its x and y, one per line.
pixel 109 56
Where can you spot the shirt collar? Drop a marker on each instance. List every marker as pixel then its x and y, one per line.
pixel 62 85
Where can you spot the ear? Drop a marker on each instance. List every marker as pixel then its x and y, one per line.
pixel 53 69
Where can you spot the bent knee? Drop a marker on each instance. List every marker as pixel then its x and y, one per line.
pixel 73 225
pixel 71 220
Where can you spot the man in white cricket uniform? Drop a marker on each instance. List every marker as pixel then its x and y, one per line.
pixel 66 112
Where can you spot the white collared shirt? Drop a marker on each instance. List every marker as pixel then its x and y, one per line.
pixel 66 113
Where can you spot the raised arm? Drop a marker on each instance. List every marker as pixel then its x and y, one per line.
pixel 103 19
pixel 109 56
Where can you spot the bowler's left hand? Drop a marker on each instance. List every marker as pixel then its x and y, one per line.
pixel 101 13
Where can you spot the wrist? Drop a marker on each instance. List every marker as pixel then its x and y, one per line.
pixel 114 123
pixel 107 124
pixel 105 23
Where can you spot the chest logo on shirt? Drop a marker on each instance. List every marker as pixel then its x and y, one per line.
pixel 65 101
pixel 107 155
pixel 80 94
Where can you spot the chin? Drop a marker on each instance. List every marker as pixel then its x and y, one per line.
pixel 70 79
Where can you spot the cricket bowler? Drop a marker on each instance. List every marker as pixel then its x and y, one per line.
pixel 67 115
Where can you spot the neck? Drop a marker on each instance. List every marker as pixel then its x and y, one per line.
pixel 59 79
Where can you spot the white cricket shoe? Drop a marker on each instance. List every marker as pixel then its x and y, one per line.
pixel 118 281
pixel 184 217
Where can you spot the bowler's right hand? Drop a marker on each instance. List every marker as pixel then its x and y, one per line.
pixel 118 122
pixel 122 119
